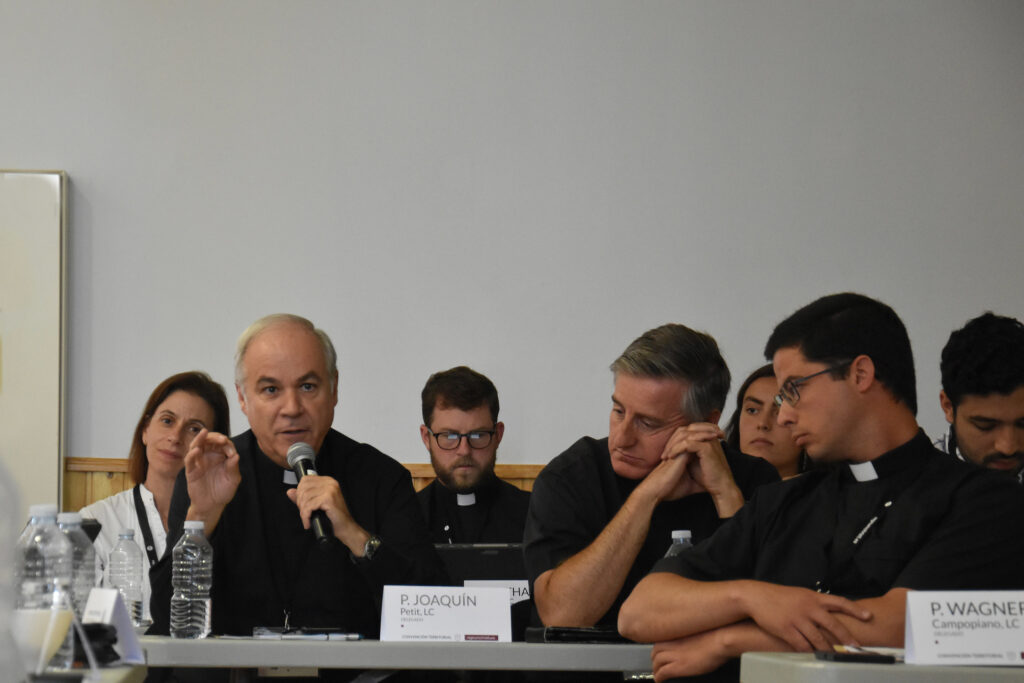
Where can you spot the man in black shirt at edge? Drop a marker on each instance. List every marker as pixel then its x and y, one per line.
pixel 467 503
pixel 602 512
pixel 983 394
pixel 892 515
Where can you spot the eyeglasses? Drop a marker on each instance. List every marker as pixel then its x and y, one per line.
pixel 449 441
pixel 789 392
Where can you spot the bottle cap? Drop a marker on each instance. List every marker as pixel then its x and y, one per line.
pixel 43 510
pixel 681 534
pixel 195 524
pixel 69 518
pixel 127 533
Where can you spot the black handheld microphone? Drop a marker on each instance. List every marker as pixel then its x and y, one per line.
pixel 300 459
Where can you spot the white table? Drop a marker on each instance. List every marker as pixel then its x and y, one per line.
pixel 123 674
pixel 795 667
pixel 162 651
pixel 118 673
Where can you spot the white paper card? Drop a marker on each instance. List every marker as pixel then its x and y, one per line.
pixel 965 628
pixel 105 606
pixel 518 589
pixel 445 613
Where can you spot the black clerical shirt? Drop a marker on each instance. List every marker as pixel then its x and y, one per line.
pixel 927 522
pixel 266 564
pixel 578 493
pixel 497 515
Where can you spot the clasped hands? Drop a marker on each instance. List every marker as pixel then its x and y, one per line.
pixel 693 462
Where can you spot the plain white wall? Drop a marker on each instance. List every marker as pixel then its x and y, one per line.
pixel 520 186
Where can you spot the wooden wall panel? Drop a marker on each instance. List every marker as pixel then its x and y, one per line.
pixel 87 480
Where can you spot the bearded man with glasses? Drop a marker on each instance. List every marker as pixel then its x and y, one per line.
pixel 467 503
pixel 828 557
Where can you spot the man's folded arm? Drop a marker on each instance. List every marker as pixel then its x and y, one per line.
pixel 707 651
pixel 883 629
pixel 666 606
pixel 888 616
pixel 582 589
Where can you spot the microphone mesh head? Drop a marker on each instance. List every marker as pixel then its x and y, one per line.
pixel 300 451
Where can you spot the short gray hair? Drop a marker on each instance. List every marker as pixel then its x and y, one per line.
pixel 268 321
pixel 675 351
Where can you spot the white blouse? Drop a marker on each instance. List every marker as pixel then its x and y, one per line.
pixel 117 513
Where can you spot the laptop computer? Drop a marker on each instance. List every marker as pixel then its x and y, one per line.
pixel 482 560
pixel 493 562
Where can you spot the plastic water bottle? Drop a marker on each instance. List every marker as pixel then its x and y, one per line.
pixel 83 559
pixel 124 572
pixel 191 577
pixel 681 540
pixel 43 575
pixel 83 578
pixel 46 559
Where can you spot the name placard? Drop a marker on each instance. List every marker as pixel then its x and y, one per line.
pixel 105 606
pixel 445 613
pixel 518 589
pixel 965 628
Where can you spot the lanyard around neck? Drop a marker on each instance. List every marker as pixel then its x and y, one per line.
pixel 147 533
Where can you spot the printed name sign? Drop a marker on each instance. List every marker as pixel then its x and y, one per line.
pixel 965 628
pixel 518 589
pixel 105 606
pixel 444 613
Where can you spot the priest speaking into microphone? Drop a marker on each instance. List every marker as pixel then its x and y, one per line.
pixel 268 567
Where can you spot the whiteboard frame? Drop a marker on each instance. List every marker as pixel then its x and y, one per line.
pixel 33 434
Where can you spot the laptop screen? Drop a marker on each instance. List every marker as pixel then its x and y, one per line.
pixel 482 560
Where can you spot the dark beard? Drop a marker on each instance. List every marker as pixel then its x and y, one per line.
pixel 999 457
pixel 486 476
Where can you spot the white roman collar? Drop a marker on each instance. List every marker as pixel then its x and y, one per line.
pixel 863 471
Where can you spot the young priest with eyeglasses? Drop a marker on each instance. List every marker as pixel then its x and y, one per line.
pixel 828 557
